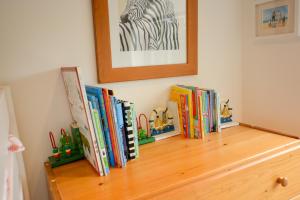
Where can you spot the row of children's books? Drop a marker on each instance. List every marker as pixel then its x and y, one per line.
pixel 199 110
pixel 114 126
pixel 107 124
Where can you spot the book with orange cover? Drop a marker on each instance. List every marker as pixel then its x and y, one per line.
pixel 197 132
pixel 111 126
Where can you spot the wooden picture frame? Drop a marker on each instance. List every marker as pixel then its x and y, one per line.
pixel 275 17
pixel 107 74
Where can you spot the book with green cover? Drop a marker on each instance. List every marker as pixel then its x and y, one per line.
pixel 100 139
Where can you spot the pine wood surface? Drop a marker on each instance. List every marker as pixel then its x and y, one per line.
pixel 256 180
pixel 170 165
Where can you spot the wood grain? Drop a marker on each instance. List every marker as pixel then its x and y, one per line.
pixel 172 164
pixel 106 73
pixel 256 180
pixel 52 186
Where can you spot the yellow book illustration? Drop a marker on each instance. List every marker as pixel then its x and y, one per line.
pixel 176 91
pixel 176 98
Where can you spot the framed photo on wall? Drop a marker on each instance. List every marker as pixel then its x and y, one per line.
pixel 145 39
pixel 275 17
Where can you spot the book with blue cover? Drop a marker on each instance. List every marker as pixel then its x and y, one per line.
pixel 118 133
pixel 205 111
pixel 97 92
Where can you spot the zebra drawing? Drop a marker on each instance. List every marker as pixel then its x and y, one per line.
pixel 147 25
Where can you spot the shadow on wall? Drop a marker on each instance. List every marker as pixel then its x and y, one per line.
pixel 41 105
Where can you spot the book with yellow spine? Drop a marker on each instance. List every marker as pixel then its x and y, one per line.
pixel 176 91
pixel 200 112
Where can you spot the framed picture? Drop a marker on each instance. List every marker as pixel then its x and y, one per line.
pixel 275 17
pixel 145 39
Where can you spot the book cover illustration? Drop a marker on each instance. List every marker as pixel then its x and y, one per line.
pixel 176 91
pixel 77 99
pixel 118 134
pixel 97 93
pixel 99 133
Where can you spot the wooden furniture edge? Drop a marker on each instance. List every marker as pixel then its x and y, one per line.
pixel 53 190
pixel 204 178
pixel 269 130
pixel 229 169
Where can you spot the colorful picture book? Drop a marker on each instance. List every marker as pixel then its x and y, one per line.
pixel 199 110
pixel 80 112
pixel 111 120
pixel 107 125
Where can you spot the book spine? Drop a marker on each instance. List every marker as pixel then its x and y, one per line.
pixel 117 132
pixel 197 128
pixel 108 138
pixel 98 132
pixel 184 115
pixel 208 113
pixel 196 118
pixel 111 126
pixel 194 103
pixel 204 109
pixel 218 108
pixel 121 127
pixel 200 113
pixel 175 97
pixel 101 142
pixel 189 119
pixel 129 130
pixel 135 129
pixel 214 114
pixel 93 157
pixel 101 167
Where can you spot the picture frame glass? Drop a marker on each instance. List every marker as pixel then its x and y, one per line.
pixel 135 39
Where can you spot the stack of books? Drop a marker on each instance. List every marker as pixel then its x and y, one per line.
pixel 199 110
pixel 107 126
pixel 114 126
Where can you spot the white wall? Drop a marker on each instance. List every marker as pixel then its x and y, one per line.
pixel 271 83
pixel 37 37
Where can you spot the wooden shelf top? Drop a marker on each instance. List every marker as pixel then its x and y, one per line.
pixel 167 164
